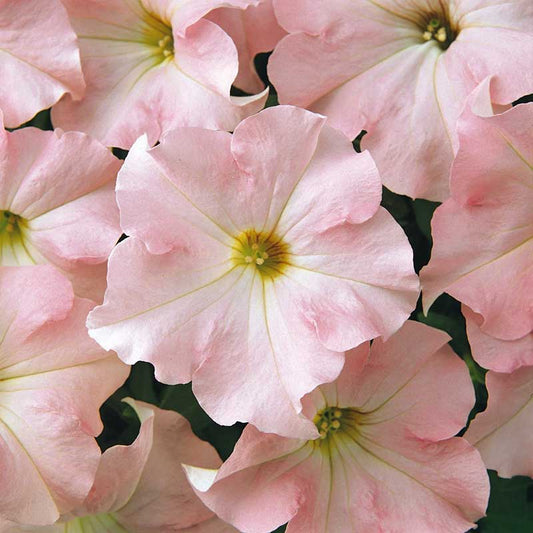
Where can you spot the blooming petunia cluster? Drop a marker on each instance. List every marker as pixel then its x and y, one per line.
pixel 283 203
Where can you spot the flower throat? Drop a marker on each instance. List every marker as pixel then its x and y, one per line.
pixel 438 28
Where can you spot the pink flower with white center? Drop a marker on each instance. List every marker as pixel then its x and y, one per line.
pixel 502 433
pixel 253 30
pixel 483 234
pixel 57 204
pixel 142 488
pixel 153 65
pixel 53 380
pixel 39 58
pixel 497 354
pixel 386 458
pixel 402 70
pixel 255 260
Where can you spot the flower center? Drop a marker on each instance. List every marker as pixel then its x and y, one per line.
pixel 157 33
pixel 438 29
pixel 9 223
pixel 14 250
pixel 100 522
pixel 267 253
pixel 329 420
pixel 166 45
pixel 333 423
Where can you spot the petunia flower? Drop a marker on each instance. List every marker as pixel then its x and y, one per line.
pixel 255 260
pixel 493 353
pixel 57 204
pixel 151 66
pixel 502 433
pixel 483 234
pixel 253 30
pixel 386 458
pixel 142 488
pixel 53 380
pixel 402 70
pixel 39 58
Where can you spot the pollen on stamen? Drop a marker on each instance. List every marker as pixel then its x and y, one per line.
pixel 166 45
pixel 328 421
pixel 268 253
pixel 439 29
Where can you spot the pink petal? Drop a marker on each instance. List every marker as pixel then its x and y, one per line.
pixel 493 353
pixel 190 11
pixel 363 269
pixel 273 150
pixel 502 433
pixel 62 185
pixel 162 184
pixel 482 237
pixel 200 314
pixel 180 297
pixel 132 88
pixel 273 363
pixel 39 58
pixel 42 295
pixel 346 59
pixel 163 499
pixel 120 469
pixel 507 27
pixel 336 57
pixel 398 373
pixel 54 380
pixel 365 478
pixel 253 31
pixel 256 489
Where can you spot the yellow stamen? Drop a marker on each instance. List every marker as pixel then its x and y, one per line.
pixel 441 35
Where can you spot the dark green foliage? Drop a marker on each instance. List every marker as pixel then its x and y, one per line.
pixel 510 506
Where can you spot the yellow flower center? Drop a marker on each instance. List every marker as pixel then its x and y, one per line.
pixel 101 522
pixel 157 33
pixel 336 423
pixel 166 45
pixel 265 252
pixel 329 420
pixel 439 30
pixel 14 250
pixel 9 222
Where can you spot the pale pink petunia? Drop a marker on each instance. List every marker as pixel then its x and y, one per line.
pixel 253 30
pixel 53 380
pixel 386 458
pixel 255 260
pixel 142 488
pixel 39 58
pixel 57 204
pixel 493 353
pixel 153 65
pixel 483 234
pixel 503 433
pixel 402 70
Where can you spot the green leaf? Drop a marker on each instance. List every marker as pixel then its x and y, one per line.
pixel 510 506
